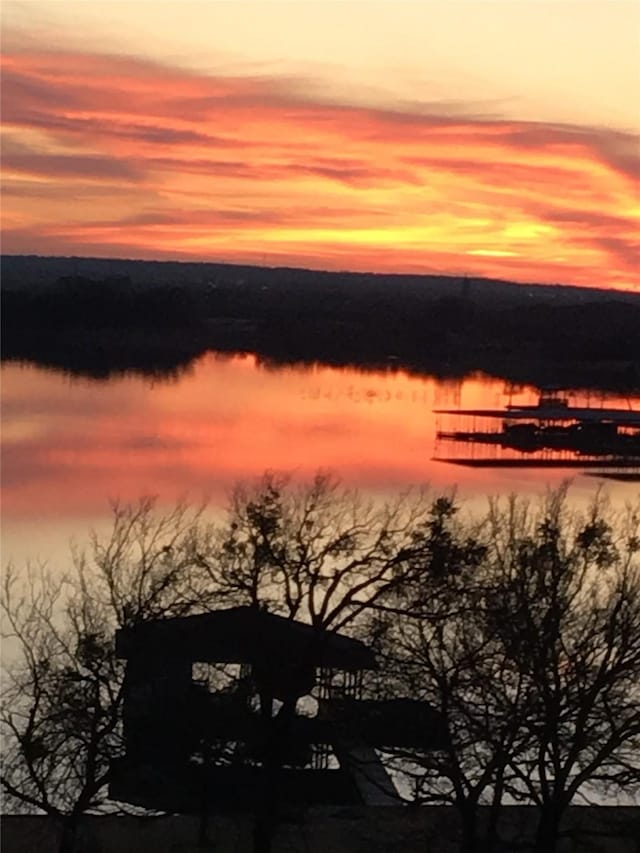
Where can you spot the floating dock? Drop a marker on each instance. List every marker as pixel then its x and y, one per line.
pixel 549 434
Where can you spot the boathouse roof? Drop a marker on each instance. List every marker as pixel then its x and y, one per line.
pixel 242 635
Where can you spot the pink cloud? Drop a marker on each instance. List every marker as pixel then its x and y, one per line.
pixel 203 166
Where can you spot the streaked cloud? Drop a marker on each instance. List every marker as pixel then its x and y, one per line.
pixel 165 162
pixel 23 160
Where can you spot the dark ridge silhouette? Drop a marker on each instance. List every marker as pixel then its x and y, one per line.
pixel 100 317
pixel 103 357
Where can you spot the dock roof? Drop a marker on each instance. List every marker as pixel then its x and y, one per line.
pixel 620 417
pixel 242 635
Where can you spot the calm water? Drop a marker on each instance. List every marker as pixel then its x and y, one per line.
pixel 68 444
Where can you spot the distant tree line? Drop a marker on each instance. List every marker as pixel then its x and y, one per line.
pixel 368 322
pixel 520 626
pixel 112 302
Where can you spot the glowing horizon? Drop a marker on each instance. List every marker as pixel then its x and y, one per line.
pixel 108 154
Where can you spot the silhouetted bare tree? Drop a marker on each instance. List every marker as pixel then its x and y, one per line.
pixel 531 651
pixel 317 552
pixel 61 700
pixel 62 693
pixel 434 646
pixel 565 605
pixel 150 565
pixel 522 628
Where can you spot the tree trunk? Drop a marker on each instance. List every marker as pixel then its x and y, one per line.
pixel 469 841
pixel 262 833
pixel 548 828
pixel 68 835
pixel 491 832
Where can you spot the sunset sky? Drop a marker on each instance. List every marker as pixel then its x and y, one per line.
pixel 455 136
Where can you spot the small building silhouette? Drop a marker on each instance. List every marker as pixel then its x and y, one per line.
pixel 232 709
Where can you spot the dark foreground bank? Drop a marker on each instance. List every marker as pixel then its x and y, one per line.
pixel 596 829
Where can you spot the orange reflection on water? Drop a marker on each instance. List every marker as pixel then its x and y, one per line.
pixel 70 444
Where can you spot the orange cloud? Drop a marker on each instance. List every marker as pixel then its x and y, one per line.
pixel 112 156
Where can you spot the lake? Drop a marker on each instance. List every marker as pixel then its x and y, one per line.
pixel 70 444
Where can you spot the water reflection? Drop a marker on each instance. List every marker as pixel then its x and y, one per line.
pixel 69 444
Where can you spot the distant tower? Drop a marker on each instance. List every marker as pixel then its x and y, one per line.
pixel 466 288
